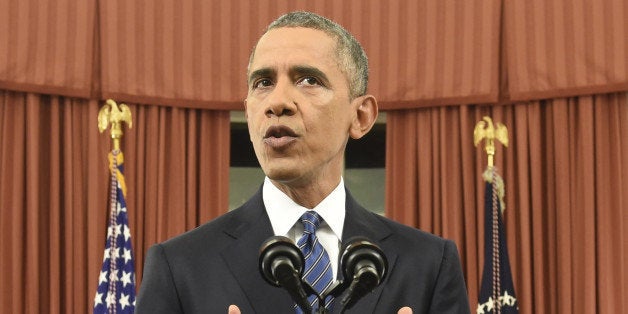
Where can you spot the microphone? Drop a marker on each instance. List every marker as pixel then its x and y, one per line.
pixel 364 265
pixel 281 265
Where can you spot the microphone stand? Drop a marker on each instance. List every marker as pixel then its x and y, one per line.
pixel 335 290
pixel 321 302
pixel 321 309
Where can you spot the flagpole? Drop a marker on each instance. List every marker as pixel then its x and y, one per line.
pixel 116 284
pixel 497 290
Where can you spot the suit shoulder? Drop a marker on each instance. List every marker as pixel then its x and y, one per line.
pixel 407 236
pixel 208 234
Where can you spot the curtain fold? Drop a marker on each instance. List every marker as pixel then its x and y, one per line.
pixel 182 173
pixel 170 51
pixel 566 194
pixel 562 48
pixel 48 46
pixel 54 184
pixel 194 53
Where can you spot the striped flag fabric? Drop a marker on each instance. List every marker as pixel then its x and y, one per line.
pixel 497 293
pixel 116 282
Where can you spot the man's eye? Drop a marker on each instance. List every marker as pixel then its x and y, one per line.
pixel 262 83
pixel 309 81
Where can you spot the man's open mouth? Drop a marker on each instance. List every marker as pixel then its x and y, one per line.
pixel 279 131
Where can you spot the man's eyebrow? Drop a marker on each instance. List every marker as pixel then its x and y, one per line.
pixel 263 72
pixel 304 70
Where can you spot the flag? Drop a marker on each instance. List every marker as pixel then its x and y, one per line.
pixel 497 293
pixel 116 283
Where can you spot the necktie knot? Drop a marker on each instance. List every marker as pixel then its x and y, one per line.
pixel 311 220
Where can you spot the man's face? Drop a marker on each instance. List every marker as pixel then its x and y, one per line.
pixel 298 108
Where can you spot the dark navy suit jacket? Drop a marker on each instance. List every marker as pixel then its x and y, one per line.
pixel 215 265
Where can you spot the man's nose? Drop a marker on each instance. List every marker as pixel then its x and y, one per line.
pixel 281 100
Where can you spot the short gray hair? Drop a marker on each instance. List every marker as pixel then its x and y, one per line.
pixel 351 56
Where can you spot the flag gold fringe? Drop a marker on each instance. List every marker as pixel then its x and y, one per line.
pixel 488 176
pixel 115 171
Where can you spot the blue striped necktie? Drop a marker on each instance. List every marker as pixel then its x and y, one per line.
pixel 317 272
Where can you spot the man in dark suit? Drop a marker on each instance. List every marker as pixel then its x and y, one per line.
pixel 307 82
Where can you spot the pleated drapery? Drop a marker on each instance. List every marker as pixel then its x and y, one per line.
pixel 48 46
pixel 187 46
pixel 564 48
pixel 54 190
pixel 194 53
pixel 566 194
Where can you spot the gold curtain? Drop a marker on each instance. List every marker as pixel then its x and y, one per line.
pixel 566 194
pixel 54 191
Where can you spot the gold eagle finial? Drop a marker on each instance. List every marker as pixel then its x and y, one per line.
pixel 114 114
pixel 486 130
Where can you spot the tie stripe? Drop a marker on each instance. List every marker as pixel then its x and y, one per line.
pixel 318 272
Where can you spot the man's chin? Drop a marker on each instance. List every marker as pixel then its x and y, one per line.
pixel 280 176
pixel 283 175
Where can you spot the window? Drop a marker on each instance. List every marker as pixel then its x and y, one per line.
pixel 364 165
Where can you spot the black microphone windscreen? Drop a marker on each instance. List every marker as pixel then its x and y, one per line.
pixel 364 265
pixel 281 265
pixel 276 251
pixel 358 252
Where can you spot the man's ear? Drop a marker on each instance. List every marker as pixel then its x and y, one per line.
pixel 366 114
pixel 246 113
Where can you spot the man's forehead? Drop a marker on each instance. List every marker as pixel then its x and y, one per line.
pixel 293 42
pixel 296 34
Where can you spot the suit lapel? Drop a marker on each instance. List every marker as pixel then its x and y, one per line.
pixel 361 222
pixel 249 228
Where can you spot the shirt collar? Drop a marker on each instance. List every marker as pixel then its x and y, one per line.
pixel 284 212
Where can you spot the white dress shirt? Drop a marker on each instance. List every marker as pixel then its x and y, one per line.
pixel 284 216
